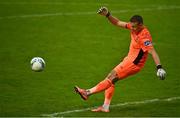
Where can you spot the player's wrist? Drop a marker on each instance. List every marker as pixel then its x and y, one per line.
pixel 108 14
pixel 159 66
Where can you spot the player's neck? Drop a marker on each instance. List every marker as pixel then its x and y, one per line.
pixel 139 29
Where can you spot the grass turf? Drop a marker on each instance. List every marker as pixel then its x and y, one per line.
pixel 81 49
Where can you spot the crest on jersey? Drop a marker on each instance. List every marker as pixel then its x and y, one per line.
pixel 147 43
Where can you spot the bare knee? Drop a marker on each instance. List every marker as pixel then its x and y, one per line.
pixel 113 76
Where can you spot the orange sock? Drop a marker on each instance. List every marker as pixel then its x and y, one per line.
pixel 108 95
pixel 100 86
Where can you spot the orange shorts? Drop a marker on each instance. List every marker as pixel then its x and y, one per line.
pixel 124 70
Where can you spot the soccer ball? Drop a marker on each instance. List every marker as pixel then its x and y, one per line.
pixel 37 64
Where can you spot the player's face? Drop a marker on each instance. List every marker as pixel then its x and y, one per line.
pixel 134 25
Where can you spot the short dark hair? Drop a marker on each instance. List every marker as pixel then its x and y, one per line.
pixel 137 18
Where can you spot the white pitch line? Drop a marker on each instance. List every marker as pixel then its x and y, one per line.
pixel 69 3
pixel 50 3
pixel 88 13
pixel 115 105
pixel 77 3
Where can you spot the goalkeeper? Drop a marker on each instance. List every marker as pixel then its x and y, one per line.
pixel 140 46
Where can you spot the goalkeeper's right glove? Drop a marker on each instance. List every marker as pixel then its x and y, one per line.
pixel 104 12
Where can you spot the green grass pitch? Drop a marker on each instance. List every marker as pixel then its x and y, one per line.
pixel 80 48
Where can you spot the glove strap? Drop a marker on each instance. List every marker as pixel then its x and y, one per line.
pixel 108 14
pixel 159 66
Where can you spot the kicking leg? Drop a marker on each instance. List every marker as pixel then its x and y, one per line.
pixel 103 85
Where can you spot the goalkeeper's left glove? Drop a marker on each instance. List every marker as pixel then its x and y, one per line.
pixel 161 73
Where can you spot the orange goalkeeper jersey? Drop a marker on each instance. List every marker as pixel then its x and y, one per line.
pixel 141 42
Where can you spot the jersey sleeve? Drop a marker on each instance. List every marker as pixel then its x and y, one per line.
pixel 128 26
pixel 146 42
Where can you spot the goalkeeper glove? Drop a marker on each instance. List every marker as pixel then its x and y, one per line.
pixel 104 12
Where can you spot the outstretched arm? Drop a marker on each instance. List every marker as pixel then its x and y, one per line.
pixel 161 73
pixel 155 56
pixel 115 21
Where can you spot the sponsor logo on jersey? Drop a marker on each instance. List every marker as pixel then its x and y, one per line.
pixel 147 43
